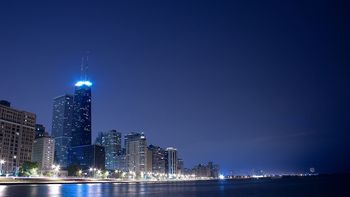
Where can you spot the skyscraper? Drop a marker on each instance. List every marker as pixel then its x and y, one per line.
pixel 111 141
pixel 43 152
pixel 82 153
pixel 149 160
pixel 172 161
pixel 180 166
pixel 81 130
pixel 136 152
pixel 159 159
pixel 17 132
pixel 62 128
pixel 88 156
pixel 121 160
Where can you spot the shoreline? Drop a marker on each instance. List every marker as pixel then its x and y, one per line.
pixel 44 180
pixel 28 181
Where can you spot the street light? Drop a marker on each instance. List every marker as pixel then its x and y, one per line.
pixel 93 171
pixel 55 169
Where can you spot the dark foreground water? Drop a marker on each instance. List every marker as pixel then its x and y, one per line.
pixel 296 186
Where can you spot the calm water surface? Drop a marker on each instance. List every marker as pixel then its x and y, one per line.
pixel 310 186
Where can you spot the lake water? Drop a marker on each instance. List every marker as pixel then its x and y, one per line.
pixel 296 186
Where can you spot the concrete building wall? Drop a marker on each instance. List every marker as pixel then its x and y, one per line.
pixel 136 153
pixel 172 161
pixel 17 132
pixel 149 160
pixel 43 152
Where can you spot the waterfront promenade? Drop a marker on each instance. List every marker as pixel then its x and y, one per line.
pixel 48 180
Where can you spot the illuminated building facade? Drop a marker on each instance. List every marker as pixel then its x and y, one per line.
pixel 43 152
pixel 81 129
pixel 172 161
pixel 111 141
pixel 62 128
pixel 88 156
pixel 136 153
pixel 159 159
pixel 17 132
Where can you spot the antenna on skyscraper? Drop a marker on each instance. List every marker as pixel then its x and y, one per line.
pixel 86 64
pixel 82 68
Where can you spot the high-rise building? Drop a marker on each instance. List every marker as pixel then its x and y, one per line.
pixel 149 160
pixel 180 166
pixel 136 152
pixel 111 141
pixel 88 156
pixel 159 159
pixel 17 132
pixel 62 128
pixel 201 170
pixel 121 161
pixel 81 130
pixel 40 131
pixel 172 161
pixel 43 152
pixel 214 169
pixel 82 153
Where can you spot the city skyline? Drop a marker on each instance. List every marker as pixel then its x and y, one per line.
pixel 246 91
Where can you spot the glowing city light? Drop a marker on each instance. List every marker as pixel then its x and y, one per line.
pixel 82 83
pixel 221 176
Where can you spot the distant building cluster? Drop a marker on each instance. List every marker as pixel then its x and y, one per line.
pixel 70 143
pixel 205 170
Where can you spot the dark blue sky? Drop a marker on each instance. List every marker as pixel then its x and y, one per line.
pixel 247 84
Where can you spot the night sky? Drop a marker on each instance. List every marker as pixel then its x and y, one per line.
pixel 246 84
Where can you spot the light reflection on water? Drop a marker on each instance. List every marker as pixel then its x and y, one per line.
pixel 93 190
pixel 3 189
pixel 53 190
pixel 289 187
